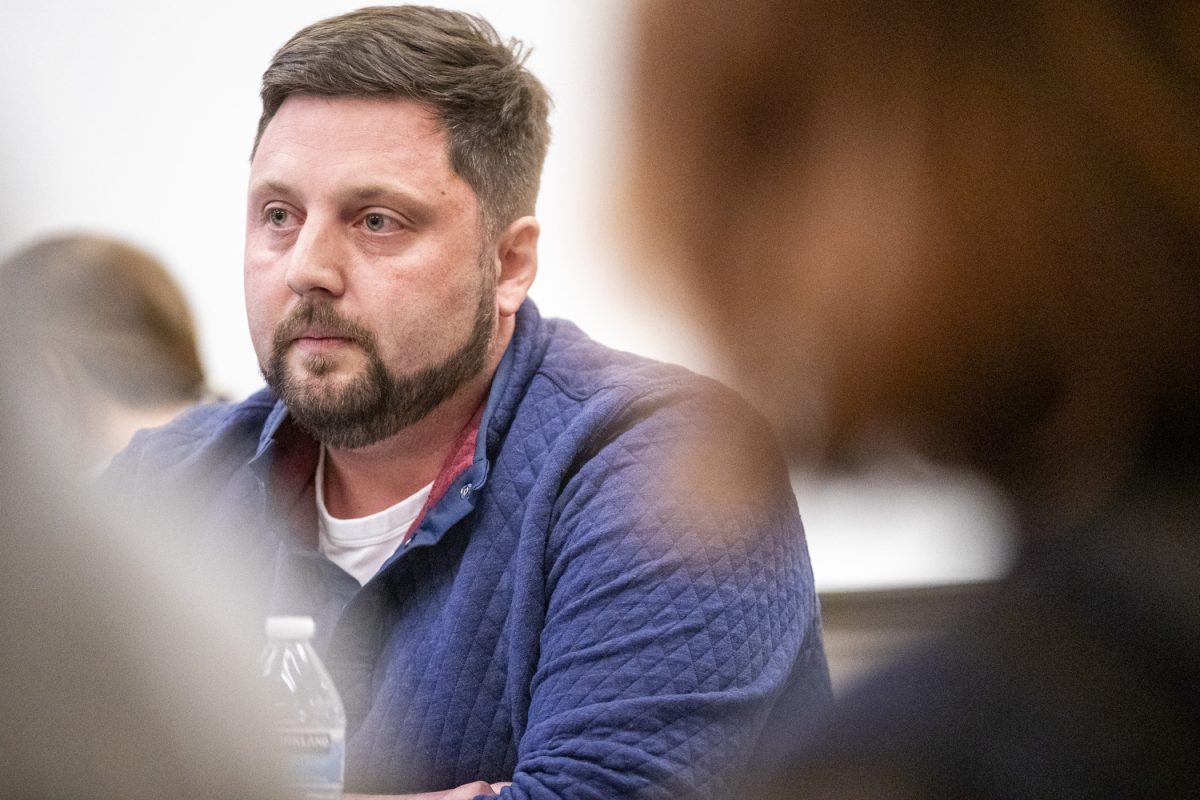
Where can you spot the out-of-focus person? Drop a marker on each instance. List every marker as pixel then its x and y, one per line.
pixel 113 332
pixel 969 231
pixel 125 672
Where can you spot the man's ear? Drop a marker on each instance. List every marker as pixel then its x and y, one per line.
pixel 516 251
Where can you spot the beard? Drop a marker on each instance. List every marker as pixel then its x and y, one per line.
pixel 376 403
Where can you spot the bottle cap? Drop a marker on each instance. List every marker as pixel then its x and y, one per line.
pixel 290 627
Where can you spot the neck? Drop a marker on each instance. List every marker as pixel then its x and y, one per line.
pixel 366 480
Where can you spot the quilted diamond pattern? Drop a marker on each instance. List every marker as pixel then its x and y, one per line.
pixel 616 614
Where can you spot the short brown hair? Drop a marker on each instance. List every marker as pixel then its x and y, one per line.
pixel 493 109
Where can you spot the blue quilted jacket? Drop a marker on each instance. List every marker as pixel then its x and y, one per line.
pixel 608 602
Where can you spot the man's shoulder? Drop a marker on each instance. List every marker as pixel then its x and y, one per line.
pixel 581 367
pixel 204 432
pixel 622 405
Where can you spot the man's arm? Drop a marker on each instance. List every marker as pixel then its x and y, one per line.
pixel 680 600
pixel 468 791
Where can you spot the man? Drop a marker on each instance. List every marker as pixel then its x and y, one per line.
pixel 968 230
pixel 530 559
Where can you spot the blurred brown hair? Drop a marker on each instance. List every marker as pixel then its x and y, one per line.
pixel 112 312
pixel 972 228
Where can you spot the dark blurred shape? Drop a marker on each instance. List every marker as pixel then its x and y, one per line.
pixel 124 672
pixel 114 333
pixel 970 231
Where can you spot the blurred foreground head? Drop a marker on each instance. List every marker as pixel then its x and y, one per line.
pixel 972 230
pixel 111 333
pixel 126 669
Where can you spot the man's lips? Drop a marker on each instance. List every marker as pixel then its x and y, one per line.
pixel 320 341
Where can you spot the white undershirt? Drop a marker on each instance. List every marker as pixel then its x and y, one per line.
pixel 361 545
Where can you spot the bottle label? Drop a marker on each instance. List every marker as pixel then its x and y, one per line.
pixel 314 759
pixel 306 741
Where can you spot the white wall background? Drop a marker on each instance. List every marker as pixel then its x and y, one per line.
pixel 135 118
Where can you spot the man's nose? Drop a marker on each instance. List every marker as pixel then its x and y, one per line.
pixel 318 259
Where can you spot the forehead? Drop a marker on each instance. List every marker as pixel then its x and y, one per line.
pixel 342 140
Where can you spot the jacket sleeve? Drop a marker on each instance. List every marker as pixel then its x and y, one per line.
pixel 680 605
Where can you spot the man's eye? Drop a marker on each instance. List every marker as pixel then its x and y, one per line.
pixel 376 223
pixel 277 216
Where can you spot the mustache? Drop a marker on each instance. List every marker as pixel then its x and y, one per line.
pixel 320 317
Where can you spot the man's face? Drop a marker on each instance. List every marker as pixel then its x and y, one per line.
pixel 370 291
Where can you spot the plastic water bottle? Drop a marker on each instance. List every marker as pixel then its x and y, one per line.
pixel 306 711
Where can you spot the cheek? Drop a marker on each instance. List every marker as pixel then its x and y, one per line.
pixel 262 307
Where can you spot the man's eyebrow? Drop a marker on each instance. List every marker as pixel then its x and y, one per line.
pixel 379 191
pixel 406 200
pixel 271 187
